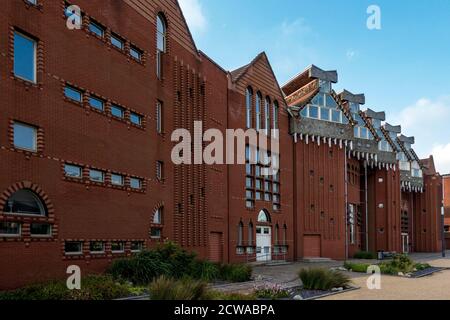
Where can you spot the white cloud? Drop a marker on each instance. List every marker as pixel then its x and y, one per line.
pixel 427 121
pixel 193 12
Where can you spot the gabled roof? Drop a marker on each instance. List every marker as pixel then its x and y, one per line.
pixel 428 166
pixel 187 26
pixel 305 77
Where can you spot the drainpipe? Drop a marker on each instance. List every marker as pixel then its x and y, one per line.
pixel 412 223
pixel 367 206
pixel 346 204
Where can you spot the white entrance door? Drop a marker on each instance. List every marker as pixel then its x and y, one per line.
pixel 405 242
pixel 263 244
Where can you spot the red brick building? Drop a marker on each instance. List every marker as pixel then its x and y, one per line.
pixel 85 145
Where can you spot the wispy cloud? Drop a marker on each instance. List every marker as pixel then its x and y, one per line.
pixel 193 11
pixel 352 54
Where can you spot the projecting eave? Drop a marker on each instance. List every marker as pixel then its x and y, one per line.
pixel 350 97
pixel 303 78
pixel 376 115
pixel 391 128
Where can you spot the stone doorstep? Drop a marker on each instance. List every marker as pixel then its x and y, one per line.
pixel 317 260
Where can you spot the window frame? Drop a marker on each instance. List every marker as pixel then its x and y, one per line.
pixel 159 117
pixel 77 253
pixel 133 179
pixel 97 25
pixel 35 44
pixel 97 171
pixel 48 235
pixel 75 90
pixel 97 99
pixel 66 165
pixel 35 130
pixel 116 38
pixel 103 251
pixel 12 235
pixel 137 116
pixel 117 107
pixel 141 245
pixel 122 178
pixel 122 243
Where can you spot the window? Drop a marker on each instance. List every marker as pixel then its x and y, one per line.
pixel 157 217
pixel 136 183
pixel 351 222
pixel 267 116
pixel 249 101
pixel 135 119
pixel 117 111
pixel 10 229
pixel 117 42
pixel 97 103
pixel 25 202
pixel 72 171
pixel 159 117
pixel 250 234
pixel 24 57
pixel 73 248
pixel 263 217
pixel 97 247
pixel 25 137
pixel 136 53
pixel 159 170
pixel 155 233
pixel 40 230
pixel 33 2
pixel 275 115
pixel 117 247
pixel 258 111
pixel 73 94
pixel 117 179
pixel 97 176
pixel 96 29
pixel 137 246
pixel 160 43
pixel 240 234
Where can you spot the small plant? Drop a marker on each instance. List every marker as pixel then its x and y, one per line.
pixel 400 263
pixel 323 279
pixel 422 266
pixel 356 267
pixel 205 270
pixel 235 272
pixel 365 255
pixel 169 289
pixel 271 291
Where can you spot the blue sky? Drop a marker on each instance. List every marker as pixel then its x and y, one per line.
pixel 403 68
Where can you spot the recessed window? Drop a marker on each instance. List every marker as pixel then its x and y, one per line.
pixel 137 246
pixel 155 233
pixel 25 137
pixel 135 119
pixel 159 117
pixel 97 176
pixel 11 229
pixel 117 111
pixel 40 230
pixel 25 202
pixel 72 171
pixel 73 248
pixel 136 53
pixel 117 179
pixel 33 2
pixel 159 170
pixel 96 29
pixel 73 94
pixel 136 183
pixel 117 247
pixel 97 247
pixel 117 42
pixel 97 103
pixel 160 43
pixel 24 57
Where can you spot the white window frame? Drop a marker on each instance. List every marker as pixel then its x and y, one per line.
pixel 96 171
pixel 35 132
pixel 138 180
pixel 258 110
pixel 103 251
pixel 16 235
pixel 34 80
pixel 138 250
pixel 48 235
pixel 78 253
pixel 121 177
pixel 118 251
pixel 73 166
pixel 248 107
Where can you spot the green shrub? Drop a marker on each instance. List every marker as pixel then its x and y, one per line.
pixel 205 270
pixel 421 266
pixel 92 288
pixel 364 255
pixel 169 289
pixel 400 263
pixel 323 279
pixel 271 291
pixel 235 272
pixel 356 267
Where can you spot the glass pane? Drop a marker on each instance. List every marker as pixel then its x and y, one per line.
pixel 330 102
pixel 135 53
pixel 135 118
pixel 249 182
pixel 116 42
pixel 97 246
pixel 276 187
pixel 258 196
pixel 135 183
pixel 249 194
pixel 304 112
pixel 117 246
pixel 10 228
pixel 117 179
pixel 336 116
pixel 259 184
pixel 96 103
pixel 364 133
pixel 313 112
pixel 24 57
pixel 155 233
pixel 325 114
pixel 40 229
pixel 73 94
pixel 24 137
pixel 97 176
pixel 97 29
pixel 136 246
pixel 73 247
pixel 248 169
pixel 117 111
pixel 72 171
pixel 318 100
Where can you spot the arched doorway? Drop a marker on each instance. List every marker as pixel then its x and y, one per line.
pixel 263 237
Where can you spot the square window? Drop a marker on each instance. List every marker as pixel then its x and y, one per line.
pixel 73 94
pixel 73 248
pixel 135 183
pixel 117 111
pixel 259 196
pixel 40 230
pixel 137 246
pixel 249 194
pixel 96 29
pixel 117 179
pixel 155 233
pixel 24 57
pixel 25 137
pixel 97 247
pixel 10 229
pixel 267 197
pixel 72 171
pixel 117 247
pixel 249 204
pixel 117 42
pixel 136 53
pixel 97 103
pixel 135 119
pixel 97 176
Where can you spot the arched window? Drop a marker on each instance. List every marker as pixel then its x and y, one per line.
pixel 157 218
pixel 25 202
pixel 248 102
pixel 284 235
pixel 277 230
pixel 250 234
pixel 156 230
pixel 267 115
pixel 263 216
pixel 161 40
pixel 275 115
pixel 258 110
pixel 240 233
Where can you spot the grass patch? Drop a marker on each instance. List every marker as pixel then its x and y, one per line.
pixel 356 267
pixel 323 279
pixel 365 255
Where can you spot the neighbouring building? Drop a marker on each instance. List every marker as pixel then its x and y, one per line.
pixel 85 145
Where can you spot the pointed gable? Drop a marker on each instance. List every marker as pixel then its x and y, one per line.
pixel 428 166
pixel 178 29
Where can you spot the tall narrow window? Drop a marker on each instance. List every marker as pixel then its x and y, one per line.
pixel 284 235
pixel 250 234
pixel 159 170
pixel 160 43
pixel 159 117
pixel 240 233
pixel 277 230
pixel 267 116
pixel 248 102
pixel 258 111
pixel 351 222
pixel 24 57
pixel 275 115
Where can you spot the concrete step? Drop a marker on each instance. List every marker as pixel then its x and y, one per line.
pixel 316 260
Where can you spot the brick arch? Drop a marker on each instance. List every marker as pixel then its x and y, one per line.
pixel 158 206
pixel 29 186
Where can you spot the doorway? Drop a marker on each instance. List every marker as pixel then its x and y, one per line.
pixel 263 243
pixel 405 243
